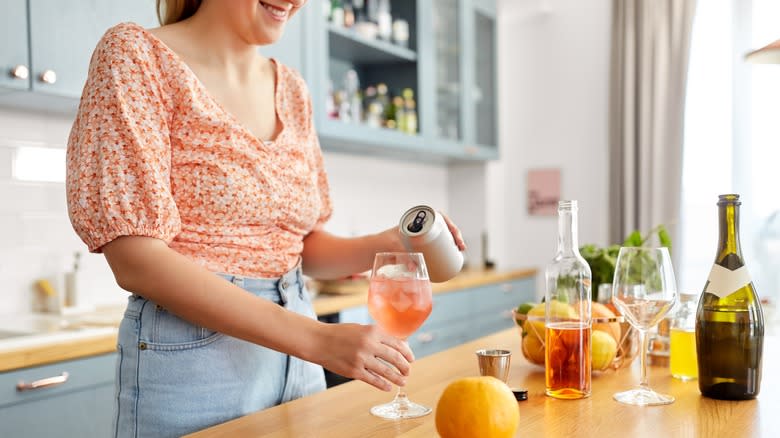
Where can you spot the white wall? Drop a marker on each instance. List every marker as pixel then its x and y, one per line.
pixel 553 70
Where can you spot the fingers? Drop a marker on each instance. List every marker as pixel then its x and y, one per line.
pixel 396 359
pixel 387 372
pixel 375 381
pixel 455 232
pixel 400 346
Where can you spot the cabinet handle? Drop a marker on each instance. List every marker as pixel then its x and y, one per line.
pixel 48 77
pixel 20 72
pixel 506 288
pixel 425 338
pixel 43 383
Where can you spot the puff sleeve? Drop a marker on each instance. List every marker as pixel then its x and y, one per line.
pixel 119 151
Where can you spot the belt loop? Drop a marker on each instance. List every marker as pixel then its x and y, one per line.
pixel 238 281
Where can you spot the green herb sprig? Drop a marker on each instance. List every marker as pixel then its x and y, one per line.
pixel 602 260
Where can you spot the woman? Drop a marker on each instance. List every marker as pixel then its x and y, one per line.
pixel 193 155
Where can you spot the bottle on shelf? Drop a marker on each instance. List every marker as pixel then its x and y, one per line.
pixel 337 13
pixel 729 318
pixel 330 102
pixel 410 111
pixel 401 32
pixel 372 10
pixel 352 96
pixel 383 100
pixel 400 113
pixel 567 313
pixel 384 20
pixel 358 6
pixel 349 14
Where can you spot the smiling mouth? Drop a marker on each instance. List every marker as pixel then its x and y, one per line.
pixel 276 11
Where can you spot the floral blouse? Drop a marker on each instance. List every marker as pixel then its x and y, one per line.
pixel 151 153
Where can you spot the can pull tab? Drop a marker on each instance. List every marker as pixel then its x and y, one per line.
pixel 416 225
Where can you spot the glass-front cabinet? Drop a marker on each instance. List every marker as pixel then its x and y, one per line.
pixel 447 49
pixel 483 93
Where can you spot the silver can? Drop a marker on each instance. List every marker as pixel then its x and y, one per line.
pixel 424 230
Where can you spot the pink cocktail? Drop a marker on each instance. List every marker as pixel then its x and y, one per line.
pixel 399 300
pixel 399 305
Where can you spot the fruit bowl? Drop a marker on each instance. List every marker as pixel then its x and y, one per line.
pixel 622 333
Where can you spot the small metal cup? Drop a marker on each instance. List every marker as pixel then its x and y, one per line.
pixel 494 363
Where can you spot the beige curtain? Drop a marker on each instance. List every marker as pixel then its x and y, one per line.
pixel 650 50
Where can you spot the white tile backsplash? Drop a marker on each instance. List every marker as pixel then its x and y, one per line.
pixel 36 239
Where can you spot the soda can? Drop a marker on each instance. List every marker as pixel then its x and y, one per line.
pixel 424 230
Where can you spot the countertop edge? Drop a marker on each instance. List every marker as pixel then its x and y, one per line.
pixel 57 351
pixel 337 296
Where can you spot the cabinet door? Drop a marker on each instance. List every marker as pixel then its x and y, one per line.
pixel 483 93
pixel 81 405
pixel 13 46
pixel 63 35
pixel 289 49
pixel 87 413
pixel 447 71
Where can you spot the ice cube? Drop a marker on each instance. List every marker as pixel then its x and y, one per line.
pixel 401 302
pixel 394 271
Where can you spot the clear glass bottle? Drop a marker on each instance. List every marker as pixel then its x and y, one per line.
pixel 729 319
pixel 682 343
pixel 568 313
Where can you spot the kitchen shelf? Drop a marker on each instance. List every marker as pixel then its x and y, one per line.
pixel 347 45
pixel 352 138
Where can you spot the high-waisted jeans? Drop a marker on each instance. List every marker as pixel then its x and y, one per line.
pixel 175 378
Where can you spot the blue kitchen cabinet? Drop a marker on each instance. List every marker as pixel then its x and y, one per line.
pixel 58 37
pixel 14 59
pixel 63 34
pixel 81 406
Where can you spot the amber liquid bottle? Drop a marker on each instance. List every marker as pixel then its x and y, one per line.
pixel 729 320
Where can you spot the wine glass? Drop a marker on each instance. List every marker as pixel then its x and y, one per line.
pixel 399 300
pixel 644 290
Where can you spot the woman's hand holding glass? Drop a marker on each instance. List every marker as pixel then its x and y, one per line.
pixel 363 352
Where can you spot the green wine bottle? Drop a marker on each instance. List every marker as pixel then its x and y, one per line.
pixel 729 320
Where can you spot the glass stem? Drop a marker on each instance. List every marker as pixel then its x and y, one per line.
pixel 643 359
pixel 401 400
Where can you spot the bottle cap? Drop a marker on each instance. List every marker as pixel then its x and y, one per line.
pixel 520 394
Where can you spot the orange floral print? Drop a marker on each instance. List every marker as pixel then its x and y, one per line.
pixel 151 153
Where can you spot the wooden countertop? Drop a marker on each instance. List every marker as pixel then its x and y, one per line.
pixel 335 296
pixel 343 411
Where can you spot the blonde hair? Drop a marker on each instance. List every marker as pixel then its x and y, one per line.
pixel 173 11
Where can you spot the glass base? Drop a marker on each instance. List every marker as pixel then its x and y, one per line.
pixel 643 397
pixel 400 408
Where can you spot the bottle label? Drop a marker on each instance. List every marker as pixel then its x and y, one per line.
pixel 724 282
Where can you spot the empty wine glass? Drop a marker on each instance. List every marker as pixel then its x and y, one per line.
pixel 644 290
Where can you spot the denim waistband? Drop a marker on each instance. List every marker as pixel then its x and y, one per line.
pixel 288 283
